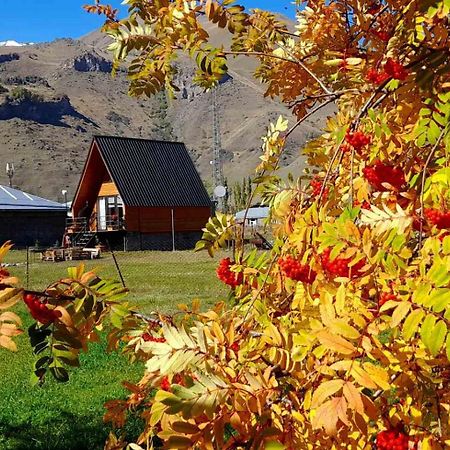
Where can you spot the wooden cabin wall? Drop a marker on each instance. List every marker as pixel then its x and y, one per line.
pixel 108 189
pixel 159 220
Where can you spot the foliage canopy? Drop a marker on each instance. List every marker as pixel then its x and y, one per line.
pixel 339 337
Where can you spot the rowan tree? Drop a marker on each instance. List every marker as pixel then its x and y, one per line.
pixel 338 337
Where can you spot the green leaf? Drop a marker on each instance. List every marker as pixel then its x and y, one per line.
pixel 439 274
pixel 412 323
pixel 439 334
pixel 439 299
pixel 426 332
pixel 433 132
pixel 274 445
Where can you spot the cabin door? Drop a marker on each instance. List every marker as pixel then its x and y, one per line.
pixel 110 213
pixel 101 219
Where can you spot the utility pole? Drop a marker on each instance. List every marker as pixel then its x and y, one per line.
pixel 10 172
pixel 217 162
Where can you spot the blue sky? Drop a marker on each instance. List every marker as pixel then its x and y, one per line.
pixel 45 20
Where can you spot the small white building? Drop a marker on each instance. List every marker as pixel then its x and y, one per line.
pixel 255 216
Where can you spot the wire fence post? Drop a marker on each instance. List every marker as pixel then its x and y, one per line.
pixel 173 230
pixel 27 273
pixel 116 264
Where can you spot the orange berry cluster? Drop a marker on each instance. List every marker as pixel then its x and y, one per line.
pixel 376 76
pixel 39 310
pixel 392 440
pixel 381 173
pixel 392 69
pixel 438 218
pixel 296 271
pixel 340 266
pixel 395 70
pixel 317 188
pixel 358 140
pixel 234 346
pixel 385 297
pixel 149 338
pixel 224 273
pixel 165 384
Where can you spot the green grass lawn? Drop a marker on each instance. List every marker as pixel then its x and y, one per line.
pixel 157 280
pixel 69 416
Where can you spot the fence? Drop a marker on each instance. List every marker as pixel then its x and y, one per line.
pixel 157 280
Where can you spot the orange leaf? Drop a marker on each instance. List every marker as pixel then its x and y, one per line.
pixel 335 343
pixel 353 397
pixel 326 417
pixel 328 414
pixel 362 377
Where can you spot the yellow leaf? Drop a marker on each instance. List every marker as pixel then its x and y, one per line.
pixel 327 312
pixel 178 442
pixel 10 317
pixel 325 390
pixel 329 413
pixel 362 377
pixel 343 328
pixel 9 297
pixel 378 375
pixel 400 313
pixel 8 343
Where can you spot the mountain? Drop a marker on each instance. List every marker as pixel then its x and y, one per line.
pixel 55 96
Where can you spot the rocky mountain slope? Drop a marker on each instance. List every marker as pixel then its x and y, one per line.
pixel 55 96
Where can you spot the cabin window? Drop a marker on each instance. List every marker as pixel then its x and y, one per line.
pixel 110 213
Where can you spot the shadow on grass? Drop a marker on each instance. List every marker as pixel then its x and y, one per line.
pixel 67 431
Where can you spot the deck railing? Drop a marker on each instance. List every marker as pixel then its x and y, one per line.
pixel 111 223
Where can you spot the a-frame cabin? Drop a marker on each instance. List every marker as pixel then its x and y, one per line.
pixel 139 194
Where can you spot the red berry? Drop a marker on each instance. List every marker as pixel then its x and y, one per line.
pixel 358 140
pixel 439 218
pixel 225 274
pixel 395 70
pixel 317 188
pixel 340 266
pixel 380 173
pixel 165 384
pixel 39 310
pixel 149 338
pixel 234 346
pixel 392 440
pixel 385 297
pixel 376 77
pixel 296 271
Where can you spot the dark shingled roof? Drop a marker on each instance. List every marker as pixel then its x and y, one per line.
pixel 152 173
